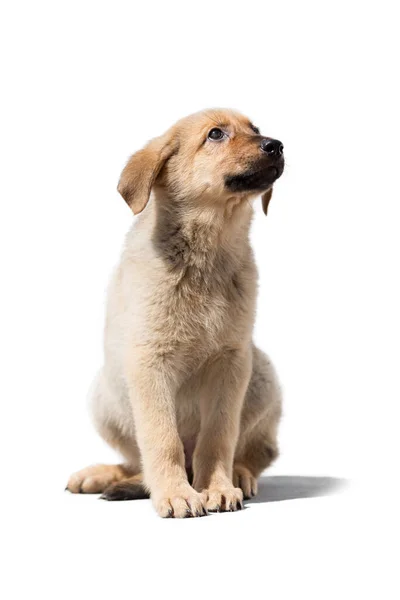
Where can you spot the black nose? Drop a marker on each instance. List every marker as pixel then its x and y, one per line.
pixel 272 147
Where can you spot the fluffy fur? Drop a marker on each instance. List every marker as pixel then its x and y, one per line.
pixel 184 395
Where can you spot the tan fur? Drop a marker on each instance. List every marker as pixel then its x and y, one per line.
pixel 183 388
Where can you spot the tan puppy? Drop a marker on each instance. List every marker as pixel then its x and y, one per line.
pixel 184 395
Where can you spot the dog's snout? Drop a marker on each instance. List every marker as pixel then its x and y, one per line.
pixel 271 147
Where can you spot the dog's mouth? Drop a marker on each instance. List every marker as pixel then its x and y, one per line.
pixel 256 179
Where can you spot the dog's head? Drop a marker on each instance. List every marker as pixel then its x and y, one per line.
pixel 209 157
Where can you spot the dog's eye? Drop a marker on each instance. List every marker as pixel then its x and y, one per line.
pixel 216 134
pixel 255 129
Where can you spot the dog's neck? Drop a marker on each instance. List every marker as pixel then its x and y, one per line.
pixel 195 240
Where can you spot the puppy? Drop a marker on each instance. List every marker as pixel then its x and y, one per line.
pixel 184 395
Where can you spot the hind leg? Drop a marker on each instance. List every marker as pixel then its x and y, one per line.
pixel 96 479
pixel 257 455
pixel 257 447
pixel 117 429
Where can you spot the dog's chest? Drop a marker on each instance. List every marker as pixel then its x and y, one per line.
pixel 211 311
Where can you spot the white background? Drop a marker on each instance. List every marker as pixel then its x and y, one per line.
pixel 84 85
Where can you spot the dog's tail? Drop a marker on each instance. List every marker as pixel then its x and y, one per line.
pixel 132 488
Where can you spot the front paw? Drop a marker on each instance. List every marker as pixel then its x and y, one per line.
pixel 224 498
pixel 179 502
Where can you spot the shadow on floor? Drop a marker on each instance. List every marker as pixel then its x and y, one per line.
pixel 275 488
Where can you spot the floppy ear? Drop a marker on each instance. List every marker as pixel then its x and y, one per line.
pixel 265 198
pixel 141 171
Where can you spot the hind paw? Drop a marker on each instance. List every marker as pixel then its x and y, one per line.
pixel 245 480
pixel 95 479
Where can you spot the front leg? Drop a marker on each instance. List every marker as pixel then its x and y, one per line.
pixel 227 379
pixel 152 394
